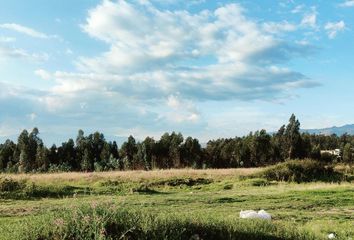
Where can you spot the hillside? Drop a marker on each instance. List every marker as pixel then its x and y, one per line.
pixel 349 128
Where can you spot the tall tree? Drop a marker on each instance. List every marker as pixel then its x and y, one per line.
pixel 148 148
pixel 6 154
pixel 348 153
pixel 128 150
pixel 191 153
pixel 42 158
pixel 293 137
pixel 24 152
pixel 86 164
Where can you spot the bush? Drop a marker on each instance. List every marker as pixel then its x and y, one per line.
pixel 258 182
pixel 59 168
pixel 10 185
pixel 228 186
pixel 189 182
pixel 327 157
pixel 301 171
pixel 12 189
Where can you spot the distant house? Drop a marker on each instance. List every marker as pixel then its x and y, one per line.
pixel 335 152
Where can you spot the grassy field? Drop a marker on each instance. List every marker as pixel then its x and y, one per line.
pixel 137 201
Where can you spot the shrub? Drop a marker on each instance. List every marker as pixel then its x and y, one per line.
pixel 12 189
pixel 98 167
pixel 301 171
pixel 10 185
pixel 59 168
pixel 144 188
pixel 258 182
pixel 327 157
pixel 228 186
pixel 182 182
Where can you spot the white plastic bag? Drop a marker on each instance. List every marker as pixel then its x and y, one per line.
pixel 253 214
pixel 248 214
pixel 331 236
pixel 264 215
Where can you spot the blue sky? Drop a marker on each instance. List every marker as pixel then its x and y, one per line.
pixel 205 68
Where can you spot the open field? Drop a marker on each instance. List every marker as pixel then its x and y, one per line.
pixel 300 211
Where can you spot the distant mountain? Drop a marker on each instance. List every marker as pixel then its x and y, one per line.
pixel 332 130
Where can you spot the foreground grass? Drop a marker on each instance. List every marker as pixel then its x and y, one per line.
pixel 180 201
pixel 109 222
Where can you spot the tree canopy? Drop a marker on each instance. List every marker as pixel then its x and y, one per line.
pixel 94 153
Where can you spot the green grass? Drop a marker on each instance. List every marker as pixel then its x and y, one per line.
pixel 179 206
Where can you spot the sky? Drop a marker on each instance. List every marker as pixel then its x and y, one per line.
pixel 205 68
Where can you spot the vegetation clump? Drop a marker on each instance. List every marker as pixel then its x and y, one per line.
pixel 144 189
pixel 301 171
pixel 182 182
pixel 13 189
pixel 10 185
pixel 258 182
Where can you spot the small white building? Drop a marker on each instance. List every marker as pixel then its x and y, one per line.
pixel 335 152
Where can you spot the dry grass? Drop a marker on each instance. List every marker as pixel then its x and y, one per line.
pixel 135 175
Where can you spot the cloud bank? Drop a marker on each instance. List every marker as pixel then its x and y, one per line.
pixel 161 64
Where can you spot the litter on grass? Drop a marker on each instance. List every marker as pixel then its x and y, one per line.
pixel 331 236
pixel 253 214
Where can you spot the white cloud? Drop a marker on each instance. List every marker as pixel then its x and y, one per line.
pixel 333 28
pixel 155 53
pixel 310 19
pixel 43 74
pixel 180 110
pixel 162 64
pixel 349 3
pixel 6 39
pixel 25 30
pixel 10 52
pixel 298 9
pixel 173 102
pixel 32 116
pixel 278 27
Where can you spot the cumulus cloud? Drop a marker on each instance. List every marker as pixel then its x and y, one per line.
pixel 333 28
pixel 180 110
pixel 24 30
pixel 160 64
pixel 154 53
pixel 310 19
pixel 349 3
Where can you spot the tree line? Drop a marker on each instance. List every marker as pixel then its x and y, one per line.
pixel 94 153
